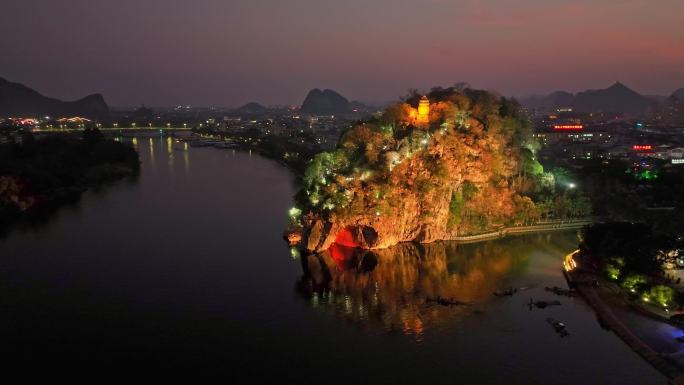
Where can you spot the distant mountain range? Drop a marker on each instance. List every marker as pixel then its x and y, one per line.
pixel 550 101
pixel 617 98
pixel 252 108
pixel 326 102
pixel 679 94
pixel 18 100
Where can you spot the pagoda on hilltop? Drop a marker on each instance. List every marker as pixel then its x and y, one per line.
pixel 423 110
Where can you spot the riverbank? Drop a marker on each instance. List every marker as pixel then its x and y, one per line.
pixel 39 175
pixel 194 242
pixel 591 286
pixel 294 235
pixel 296 166
pixel 292 155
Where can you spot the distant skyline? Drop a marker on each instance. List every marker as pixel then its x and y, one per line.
pixel 228 53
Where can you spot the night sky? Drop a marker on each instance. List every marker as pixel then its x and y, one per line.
pixel 228 52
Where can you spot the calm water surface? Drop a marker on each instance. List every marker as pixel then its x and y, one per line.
pixel 184 271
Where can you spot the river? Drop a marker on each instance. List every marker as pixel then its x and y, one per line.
pixel 184 270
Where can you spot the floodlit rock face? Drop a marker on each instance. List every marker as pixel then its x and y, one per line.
pixel 395 179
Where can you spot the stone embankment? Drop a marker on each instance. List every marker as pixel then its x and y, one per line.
pixel 321 235
pixel 539 227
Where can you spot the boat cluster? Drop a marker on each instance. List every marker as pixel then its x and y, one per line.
pixel 560 291
pixel 542 304
pixel 506 292
pixel 207 142
pixel 558 326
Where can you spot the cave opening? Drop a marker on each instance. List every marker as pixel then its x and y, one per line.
pixel 357 236
pixel 346 238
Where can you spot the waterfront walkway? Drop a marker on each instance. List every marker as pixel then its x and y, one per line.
pixel 539 227
pixel 583 283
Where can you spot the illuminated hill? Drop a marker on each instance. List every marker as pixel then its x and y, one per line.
pixel 452 163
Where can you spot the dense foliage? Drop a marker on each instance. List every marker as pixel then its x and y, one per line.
pixel 37 173
pixel 288 152
pixel 634 256
pixel 625 248
pixel 475 152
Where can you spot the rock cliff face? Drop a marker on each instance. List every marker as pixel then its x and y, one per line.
pixel 395 179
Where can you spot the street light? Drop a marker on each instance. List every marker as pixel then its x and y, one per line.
pixel 572 185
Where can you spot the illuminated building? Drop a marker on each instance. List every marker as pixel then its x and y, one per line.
pixel 423 110
pixel 642 147
pixel 645 151
pixel 24 121
pixel 75 119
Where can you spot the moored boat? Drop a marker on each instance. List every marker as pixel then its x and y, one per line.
pixel 558 326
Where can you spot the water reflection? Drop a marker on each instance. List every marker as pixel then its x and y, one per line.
pixel 152 160
pixel 169 151
pixel 395 289
pixel 186 157
pixel 218 296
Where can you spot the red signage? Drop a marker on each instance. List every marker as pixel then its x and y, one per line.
pixel 568 127
pixel 642 147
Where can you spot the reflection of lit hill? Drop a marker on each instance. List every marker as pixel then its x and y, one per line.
pixel 389 288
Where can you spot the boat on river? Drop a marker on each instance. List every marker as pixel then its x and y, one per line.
pixel 448 301
pixel 542 304
pixel 560 291
pixel 202 143
pixel 558 326
pixel 225 145
pixel 506 292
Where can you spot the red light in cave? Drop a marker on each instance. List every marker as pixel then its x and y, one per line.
pixel 346 238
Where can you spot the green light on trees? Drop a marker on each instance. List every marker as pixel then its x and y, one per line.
pixel 662 295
